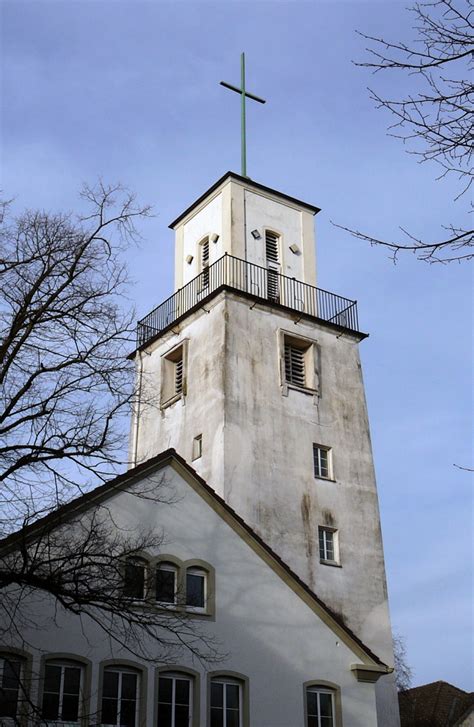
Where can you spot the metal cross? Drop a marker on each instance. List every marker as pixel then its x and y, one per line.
pixel 244 94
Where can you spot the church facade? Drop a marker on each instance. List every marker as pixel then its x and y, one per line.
pixel 251 408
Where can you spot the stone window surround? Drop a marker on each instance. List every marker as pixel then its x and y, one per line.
pixel 235 676
pixel 310 346
pixel 181 567
pixel 128 665
pixel 68 658
pixel 325 686
pixel 193 676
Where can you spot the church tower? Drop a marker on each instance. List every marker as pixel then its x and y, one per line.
pixel 253 375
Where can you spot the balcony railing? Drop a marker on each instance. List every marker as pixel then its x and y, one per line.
pixel 263 283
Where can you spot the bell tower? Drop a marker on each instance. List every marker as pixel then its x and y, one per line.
pixel 253 375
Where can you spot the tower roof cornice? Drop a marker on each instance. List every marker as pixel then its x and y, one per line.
pixel 250 184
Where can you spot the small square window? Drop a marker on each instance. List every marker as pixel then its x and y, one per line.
pixel 328 545
pixel 197 447
pixel 322 458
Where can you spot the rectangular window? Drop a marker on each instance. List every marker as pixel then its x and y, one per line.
pixel 173 373
pixel 322 457
pixel 195 588
pixel 226 709
pixel 319 707
pixel 61 693
pixel 328 545
pixel 197 447
pixel 174 701
pixel 10 680
pixel 120 698
pixel 134 578
pixel 166 583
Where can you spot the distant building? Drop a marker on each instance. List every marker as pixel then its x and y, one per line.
pixel 438 704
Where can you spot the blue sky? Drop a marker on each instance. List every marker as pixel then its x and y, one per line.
pixel 129 90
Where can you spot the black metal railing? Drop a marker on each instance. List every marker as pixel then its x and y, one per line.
pixel 263 283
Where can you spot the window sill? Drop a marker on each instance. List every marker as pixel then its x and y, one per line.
pixel 169 402
pixel 326 479
pixel 286 386
pixel 332 563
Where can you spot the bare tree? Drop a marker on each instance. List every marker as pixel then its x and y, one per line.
pixel 436 118
pixel 403 673
pixel 66 390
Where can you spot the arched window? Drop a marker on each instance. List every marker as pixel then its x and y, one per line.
pixel 120 697
pixel 63 686
pixel 226 703
pixel 175 699
pixel 320 707
pixel 12 670
pixel 134 581
pixel 196 588
pixel 166 585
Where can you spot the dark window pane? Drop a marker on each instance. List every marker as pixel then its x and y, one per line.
pixel 128 710
pixel 195 590
pixel 134 579
pixel 217 717
pixel 232 718
pixel 182 691
pixel 232 695
pixel 72 680
pixel 110 688
pixel 109 711
pixel 313 722
pixel 164 715
pixel 165 585
pixel 325 702
pixel 312 704
pixel 165 689
pixel 217 694
pixel 52 678
pixel 50 706
pixel 8 702
pixel 181 716
pixel 327 722
pixel 129 686
pixel 11 674
pixel 70 708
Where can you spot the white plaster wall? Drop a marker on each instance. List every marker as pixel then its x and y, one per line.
pixel 268 633
pixel 206 221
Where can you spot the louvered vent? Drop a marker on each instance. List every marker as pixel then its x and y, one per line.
pixel 294 365
pixel 271 247
pixel 205 263
pixel 178 375
pixel 273 286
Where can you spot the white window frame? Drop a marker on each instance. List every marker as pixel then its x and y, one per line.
pixel 321 690
pixel 233 682
pixel 175 676
pixel 317 449
pixel 120 671
pixel 166 565
pixel 197 570
pixel 324 530
pixel 63 665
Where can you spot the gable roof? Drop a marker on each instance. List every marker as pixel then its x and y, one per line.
pixel 438 704
pixel 172 458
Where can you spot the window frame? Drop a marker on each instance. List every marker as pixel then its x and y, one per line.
pixel 310 356
pixel 336 561
pixel 170 393
pixel 231 677
pixel 146 576
pixel 197 447
pixel 179 672
pixel 24 684
pixel 318 475
pixel 200 571
pixel 325 686
pixel 69 659
pixel 126 666
pixel 171 566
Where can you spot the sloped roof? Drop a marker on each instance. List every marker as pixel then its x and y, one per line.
pixel 171 457
pixel 438 704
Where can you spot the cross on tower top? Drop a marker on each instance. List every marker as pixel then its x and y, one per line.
pixel 243 94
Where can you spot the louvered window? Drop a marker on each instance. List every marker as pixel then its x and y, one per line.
pixel 294 365
pixel 178 375
pixel 271 247
pixel 205 264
